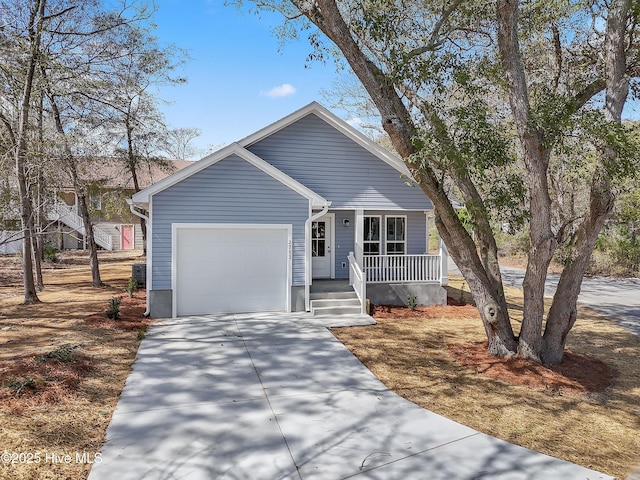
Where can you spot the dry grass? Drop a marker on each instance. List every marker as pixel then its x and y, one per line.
pixel 65 404
pixel 597 430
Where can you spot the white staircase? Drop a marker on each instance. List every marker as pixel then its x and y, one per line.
pixel 63 213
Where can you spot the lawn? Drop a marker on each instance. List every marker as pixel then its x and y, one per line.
pixel 63 366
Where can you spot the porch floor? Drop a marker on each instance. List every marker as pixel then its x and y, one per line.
pixel 330 286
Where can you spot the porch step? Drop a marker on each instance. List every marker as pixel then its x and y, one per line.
pixel 333 295
pixel 325 311
pixel 336 310
pixel 336 303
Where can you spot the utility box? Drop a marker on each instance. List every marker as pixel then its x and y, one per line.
pixel 139 273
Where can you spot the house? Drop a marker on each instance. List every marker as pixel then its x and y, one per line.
pixel 254 225
pixel 110 185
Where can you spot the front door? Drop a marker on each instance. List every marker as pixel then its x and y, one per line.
pixel 128 237
pixel 322 246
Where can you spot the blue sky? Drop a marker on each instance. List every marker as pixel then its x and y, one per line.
pixel 240 78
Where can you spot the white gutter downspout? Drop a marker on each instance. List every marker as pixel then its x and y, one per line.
pixel 147 312
pixel 307 256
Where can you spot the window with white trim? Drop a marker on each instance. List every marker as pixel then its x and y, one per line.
pixel 372 235
pixel 396 234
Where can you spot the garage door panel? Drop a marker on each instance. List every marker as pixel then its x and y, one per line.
pixel 226 270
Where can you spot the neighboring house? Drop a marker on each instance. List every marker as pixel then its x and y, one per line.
pixel 110 185
pixel 252 226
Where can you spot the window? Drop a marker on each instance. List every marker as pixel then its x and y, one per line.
pixel 396 235
pixel 318 238
pixel 372 235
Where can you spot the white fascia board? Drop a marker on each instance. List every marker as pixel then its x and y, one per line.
pixel 340 125
pixel 143 197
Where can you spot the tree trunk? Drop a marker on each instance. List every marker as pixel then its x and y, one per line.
pixel 563 312
pixel 88 229
pixel 397 122
pixel 37 260
pixel 536 159
pixel 26 216
pixel 490 302
pixel 38 246
pixel 26 210
pixel 143 223
pixel 133 162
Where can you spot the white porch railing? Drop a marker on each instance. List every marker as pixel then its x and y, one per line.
pixel 426 268
pixel 358 279
pixel 66 215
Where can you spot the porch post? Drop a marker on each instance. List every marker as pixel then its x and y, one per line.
pixel 444 263
pixel 359 246
pixel 426 231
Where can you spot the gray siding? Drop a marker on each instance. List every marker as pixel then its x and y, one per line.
pixel 345 236
pixel 334 166
pixel 345 241
pixel 230 191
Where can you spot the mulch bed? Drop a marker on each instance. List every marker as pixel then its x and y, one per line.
pixel 576 373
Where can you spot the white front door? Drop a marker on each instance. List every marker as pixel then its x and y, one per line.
pixel 322 246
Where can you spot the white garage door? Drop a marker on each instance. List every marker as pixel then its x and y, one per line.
pixel 231 268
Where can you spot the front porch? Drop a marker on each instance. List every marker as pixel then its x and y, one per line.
pixel 400 280
pixel 384 255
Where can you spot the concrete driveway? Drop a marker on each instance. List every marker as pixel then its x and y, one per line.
pixel 275 396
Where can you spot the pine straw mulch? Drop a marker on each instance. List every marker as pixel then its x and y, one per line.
pixel 63 365
pixel 585 410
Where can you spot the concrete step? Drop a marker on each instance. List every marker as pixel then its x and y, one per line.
pixel 333 310
pixel 334 295
pixel 335 302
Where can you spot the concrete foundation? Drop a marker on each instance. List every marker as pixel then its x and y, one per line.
pixel 399 294
pixel 297 299
pixel 160 303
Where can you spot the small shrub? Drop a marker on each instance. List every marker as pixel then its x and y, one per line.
pixel 132 286
pixel 141 334
pixel 17 386
pixel 50 253
pixel 113 311
pixel 412 301
pixel 63 354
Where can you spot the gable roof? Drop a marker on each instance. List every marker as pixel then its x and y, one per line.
pixel 141 198
pixel 336 122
